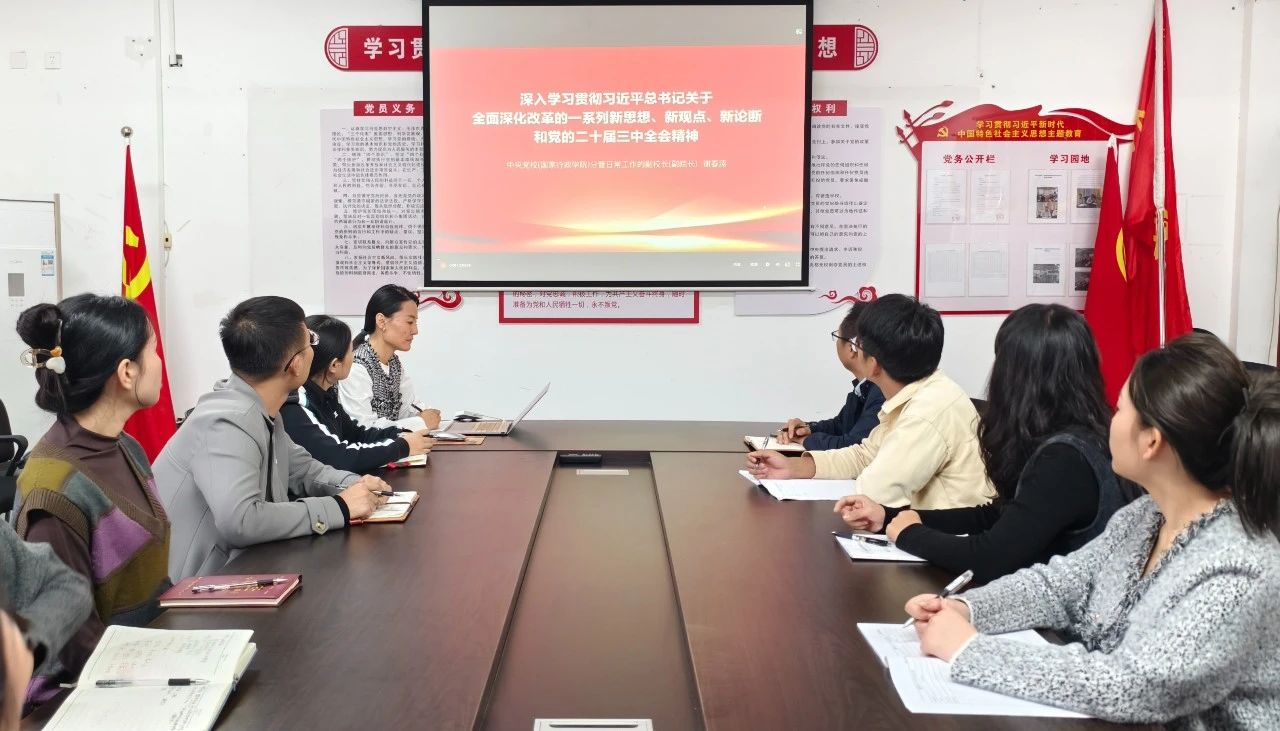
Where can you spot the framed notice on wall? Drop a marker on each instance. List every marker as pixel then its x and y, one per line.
pixel 1007 205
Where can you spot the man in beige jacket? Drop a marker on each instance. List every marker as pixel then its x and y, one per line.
pixel 924 452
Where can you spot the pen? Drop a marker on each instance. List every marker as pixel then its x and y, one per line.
pixel 383 493
pixel 866 539
pixel 121 683
pixel 356 521
pixel 255 584
pixel 950 589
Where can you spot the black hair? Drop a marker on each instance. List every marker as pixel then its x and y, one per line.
pixel 335 338
pixel 260 335
pixel 1224 427
pixel 386 301
pixel 95 333
pixel 1046 379
pixel 904 335
pixel 849 325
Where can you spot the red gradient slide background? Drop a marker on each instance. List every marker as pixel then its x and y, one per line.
pixel 754 204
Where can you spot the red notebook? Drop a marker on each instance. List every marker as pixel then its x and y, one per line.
pixel 238 594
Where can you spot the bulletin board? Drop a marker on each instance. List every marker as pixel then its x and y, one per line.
pixel 1007 205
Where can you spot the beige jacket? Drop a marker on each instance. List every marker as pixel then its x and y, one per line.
pixel 924 453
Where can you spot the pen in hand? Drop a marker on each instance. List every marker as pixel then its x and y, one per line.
pixel 953 587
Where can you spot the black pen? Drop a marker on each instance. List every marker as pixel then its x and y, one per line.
pixel 866 539
pixel 122 683
pixel 383 493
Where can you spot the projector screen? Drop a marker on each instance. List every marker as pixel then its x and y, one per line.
pixel 624 145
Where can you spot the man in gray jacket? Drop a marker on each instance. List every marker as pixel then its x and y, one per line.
pixel 231 477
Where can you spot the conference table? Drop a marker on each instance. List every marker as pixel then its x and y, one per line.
pixel 655 584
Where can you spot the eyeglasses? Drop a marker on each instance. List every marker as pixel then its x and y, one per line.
pixel 837 337
pixel 312 341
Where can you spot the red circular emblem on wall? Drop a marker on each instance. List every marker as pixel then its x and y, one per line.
pixel 865 47
pixel 335 47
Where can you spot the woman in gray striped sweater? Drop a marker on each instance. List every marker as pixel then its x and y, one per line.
pixel 1170 610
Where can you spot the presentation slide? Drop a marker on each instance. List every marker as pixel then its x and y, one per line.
pixel 613 145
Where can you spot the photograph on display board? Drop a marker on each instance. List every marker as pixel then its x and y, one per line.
pixel 1082 281
pixel 1048 197
pixel 1083 257
pixel 1045 267
pixel 1087 196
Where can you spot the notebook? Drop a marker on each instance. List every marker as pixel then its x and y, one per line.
pixel 181 594
pixel 804 489
pixel 396 509
pixel 924 683
pixel 758 443
pixel 863 551
pixel 138 654
pixel 417 460
pixel 894 640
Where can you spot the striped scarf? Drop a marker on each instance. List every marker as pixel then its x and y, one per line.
pixel 386 387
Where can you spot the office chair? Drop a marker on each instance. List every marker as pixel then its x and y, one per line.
pixel 13 453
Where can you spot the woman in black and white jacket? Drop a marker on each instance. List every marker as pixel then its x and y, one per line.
pixel 317 422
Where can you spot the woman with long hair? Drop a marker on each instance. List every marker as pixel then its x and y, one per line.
pixel 1043 441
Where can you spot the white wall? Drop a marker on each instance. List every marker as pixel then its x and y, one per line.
pixel 241 173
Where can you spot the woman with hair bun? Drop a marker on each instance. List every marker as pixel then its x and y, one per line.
pixel 87 488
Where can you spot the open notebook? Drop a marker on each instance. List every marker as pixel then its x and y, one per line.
pixel 142 655
pixel 396 509
pixel 924 683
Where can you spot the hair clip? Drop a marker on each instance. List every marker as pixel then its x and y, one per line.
pixel 53 360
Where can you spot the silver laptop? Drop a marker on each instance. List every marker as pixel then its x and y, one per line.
pixel 495 427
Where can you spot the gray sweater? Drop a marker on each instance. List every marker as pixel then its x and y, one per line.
pixel 1194 643
pixel 53 599
pixel 213 479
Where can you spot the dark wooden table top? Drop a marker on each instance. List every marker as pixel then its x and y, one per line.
pixel 770 605
pixel 596 632
pixel 623 436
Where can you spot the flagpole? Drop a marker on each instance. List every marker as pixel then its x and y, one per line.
pixel 1157 178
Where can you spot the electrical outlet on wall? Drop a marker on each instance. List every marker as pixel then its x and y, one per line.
pixel 17 59
pixel 53 60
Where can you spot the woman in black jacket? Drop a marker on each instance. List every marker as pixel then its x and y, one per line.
pixel 1044 441
pixel 317 422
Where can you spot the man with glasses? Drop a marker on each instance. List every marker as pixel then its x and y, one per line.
pixel 861 411
pixel 231 477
